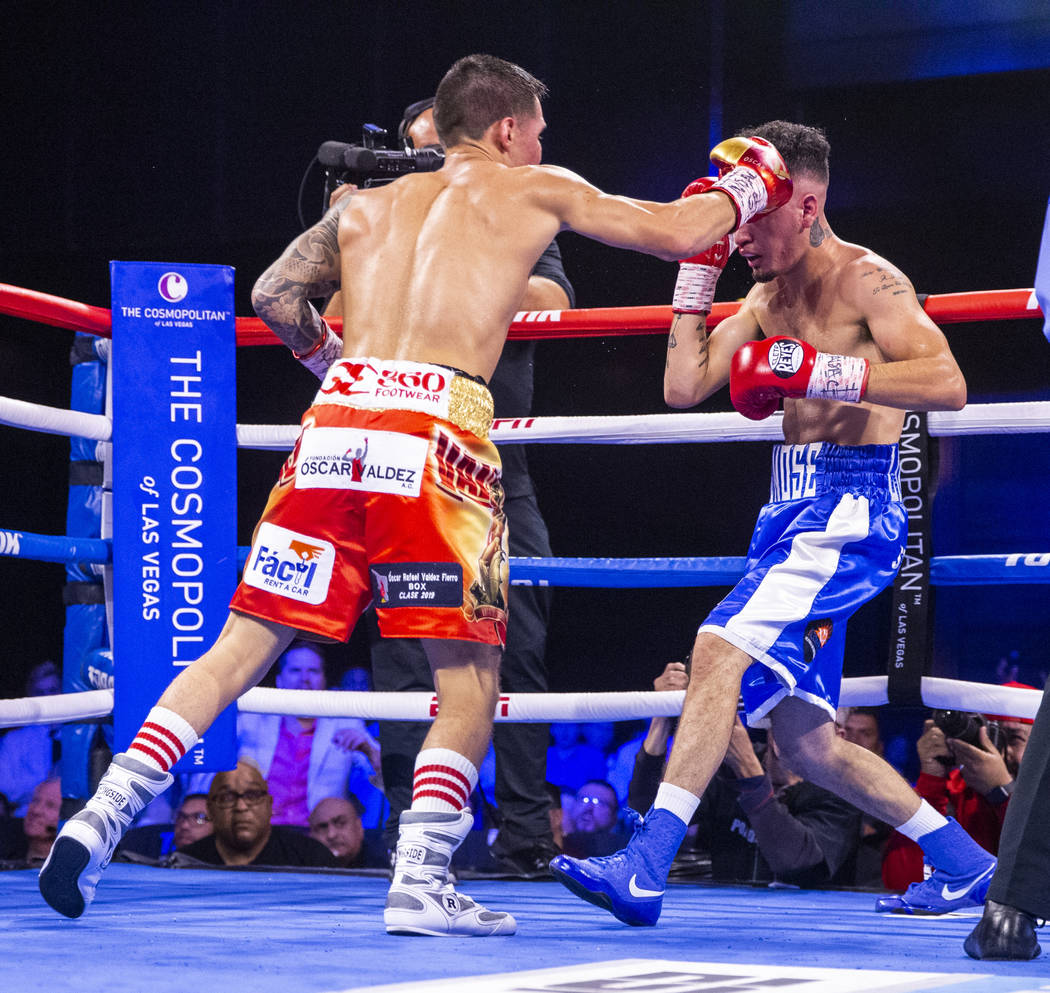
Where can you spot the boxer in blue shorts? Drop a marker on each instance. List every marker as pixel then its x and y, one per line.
pixel 830 538
pixel 837 333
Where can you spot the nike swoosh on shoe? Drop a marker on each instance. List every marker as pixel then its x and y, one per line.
pixel 949 894
pixel 640 892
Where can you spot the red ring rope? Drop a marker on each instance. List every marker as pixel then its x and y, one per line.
pixel 945 308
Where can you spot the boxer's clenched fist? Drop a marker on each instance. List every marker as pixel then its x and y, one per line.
pixel 753 175
pixel 765 371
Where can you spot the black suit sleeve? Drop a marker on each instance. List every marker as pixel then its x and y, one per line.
pixel 550 267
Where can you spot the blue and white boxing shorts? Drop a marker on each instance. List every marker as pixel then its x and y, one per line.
pixel 831 537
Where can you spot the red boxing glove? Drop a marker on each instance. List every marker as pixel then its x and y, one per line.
pixel 695 288
pixel 753 175
pixel 765 371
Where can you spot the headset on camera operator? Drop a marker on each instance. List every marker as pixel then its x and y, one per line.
pixel 968 764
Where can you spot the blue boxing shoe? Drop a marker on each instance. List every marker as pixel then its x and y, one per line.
pixel 629 884
pixel 959 881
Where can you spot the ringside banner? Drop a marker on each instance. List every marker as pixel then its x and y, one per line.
pixel 174 486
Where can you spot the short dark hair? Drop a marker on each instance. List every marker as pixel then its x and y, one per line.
pixel 479 90
pixel 604 784
pixel 804 149
pixel 872 712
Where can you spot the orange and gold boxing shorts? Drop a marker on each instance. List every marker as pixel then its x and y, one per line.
pixel 391 496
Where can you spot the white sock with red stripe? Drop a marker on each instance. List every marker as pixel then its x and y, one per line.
pixel 163 739
pixel 443 780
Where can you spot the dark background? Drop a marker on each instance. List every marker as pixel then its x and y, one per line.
pixel 181 133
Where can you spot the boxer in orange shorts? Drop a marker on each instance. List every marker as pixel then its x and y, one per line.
pixel 431 269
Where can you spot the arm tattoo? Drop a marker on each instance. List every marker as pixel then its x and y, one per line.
pixel 308 268
pixel 816 234
pixel 887 281
pixel 702 350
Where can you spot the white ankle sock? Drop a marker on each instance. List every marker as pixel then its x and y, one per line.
pixel 679 802
pixel 443 780
pixel 163 739
pixel 922 822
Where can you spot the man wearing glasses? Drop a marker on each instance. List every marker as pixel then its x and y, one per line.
pixel 191 820
pixel 239 805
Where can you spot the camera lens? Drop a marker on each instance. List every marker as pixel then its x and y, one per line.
pixel 959 724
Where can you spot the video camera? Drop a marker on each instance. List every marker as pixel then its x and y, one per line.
pixel 365 165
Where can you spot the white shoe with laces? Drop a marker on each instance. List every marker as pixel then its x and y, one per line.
pixel 86 842
pixel 421 899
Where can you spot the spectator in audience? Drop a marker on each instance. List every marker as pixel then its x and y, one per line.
pixel 861 726
pixel 595 821
pixel 758 820
pixel 239 805
pixel 358 679
pixel 557 816
pixel 657 737
pixel 29 755
pixel 336 823
pixel 192 821
pixel 28 840
pixel 306 759
pixel 971 782
pixel 570 762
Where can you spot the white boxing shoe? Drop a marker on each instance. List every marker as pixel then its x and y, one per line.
pixel 421 899
pixel 86 842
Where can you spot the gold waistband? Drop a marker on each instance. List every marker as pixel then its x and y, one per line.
pixel 470 406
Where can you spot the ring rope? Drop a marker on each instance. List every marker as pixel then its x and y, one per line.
pixel 55 420
pixel 863 691
pixel 1025 417
pixel 595 573
pixel 943 308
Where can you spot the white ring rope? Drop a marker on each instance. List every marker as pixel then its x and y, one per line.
pixel 54 420
pixel 644 429
pixel 655 429
pixel 56 709
pixel 864 691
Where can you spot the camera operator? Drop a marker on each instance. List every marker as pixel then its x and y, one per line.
pixel 970 776
pixel 524 844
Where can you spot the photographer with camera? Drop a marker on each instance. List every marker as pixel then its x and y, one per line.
pixel 968 764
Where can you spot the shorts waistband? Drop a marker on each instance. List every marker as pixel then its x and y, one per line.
pixel 804 471
pixel 398 384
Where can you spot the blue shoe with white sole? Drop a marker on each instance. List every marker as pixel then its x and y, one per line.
pixel 630 884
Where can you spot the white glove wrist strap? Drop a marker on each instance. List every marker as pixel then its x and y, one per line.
pixel 324 353
pixel 748 191
pixel 695 288
pixel 838 377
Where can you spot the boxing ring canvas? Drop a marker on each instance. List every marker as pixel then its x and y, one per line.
pixel 211 930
